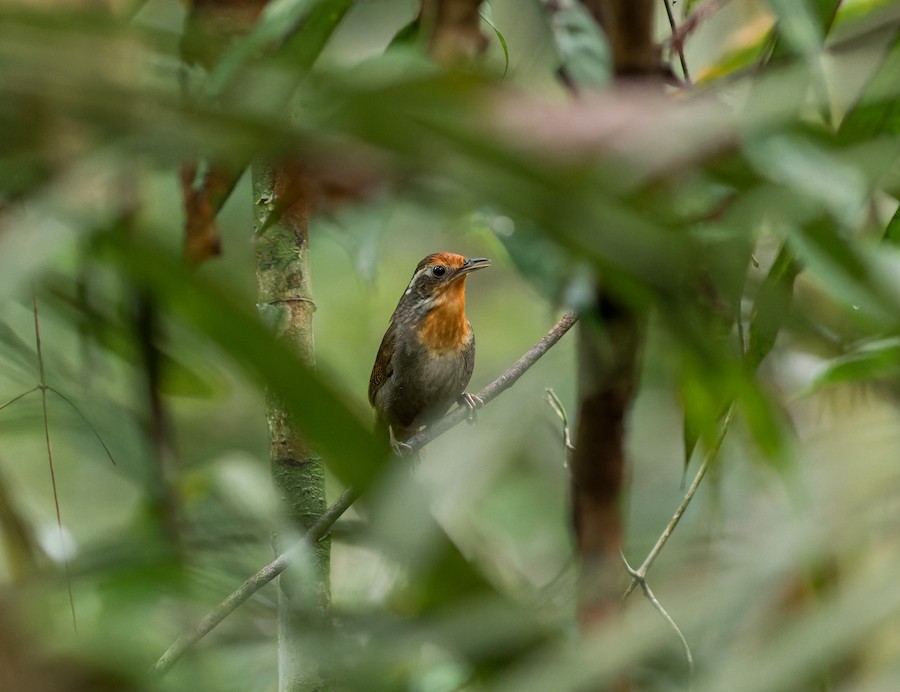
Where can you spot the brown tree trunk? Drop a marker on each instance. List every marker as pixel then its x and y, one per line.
pixel 609 347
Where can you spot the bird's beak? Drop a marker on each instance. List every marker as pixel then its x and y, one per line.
pixel 472 264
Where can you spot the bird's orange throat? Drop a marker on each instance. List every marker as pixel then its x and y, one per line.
pixel 445 328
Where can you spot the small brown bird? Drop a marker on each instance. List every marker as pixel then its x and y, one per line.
pixel 428 352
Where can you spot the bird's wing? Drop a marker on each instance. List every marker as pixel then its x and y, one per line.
pixel 383 367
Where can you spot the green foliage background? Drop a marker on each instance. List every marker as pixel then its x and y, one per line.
pixel 773 195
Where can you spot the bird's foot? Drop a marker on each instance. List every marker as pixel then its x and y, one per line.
pixel 471 402
pixel 401 449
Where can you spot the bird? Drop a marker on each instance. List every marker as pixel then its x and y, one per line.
pixel 427 355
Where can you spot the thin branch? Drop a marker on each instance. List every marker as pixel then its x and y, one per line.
pixel 656 604
pixel 254 583
pixel 692 21
pixel 321 527
pixel 85 419
pixel 498 386
pixel 42 385
pixel 678 46
pixel 20 396
pixel 641 573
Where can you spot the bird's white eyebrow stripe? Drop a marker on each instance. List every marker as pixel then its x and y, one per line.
pixel 413 280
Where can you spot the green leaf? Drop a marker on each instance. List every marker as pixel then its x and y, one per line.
pixel 583 49
pixel 408 35
pixel 845 270
pixel 877 110
pixel 294 29
pixel 487 17
pixel 771 308
pixel 760 413
pixel 798 25
pixel 17 349
pixel 872 361
pixel 302 47
pixel 351 450
pixel 892 232
pixel 812 170
pixel 802 24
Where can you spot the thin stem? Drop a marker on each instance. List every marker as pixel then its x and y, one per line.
pixel 641 572
pixel 85 419
pixel 20 396
pixel 42 385
pixel 677 45
pixel 645 587
pixel 254 583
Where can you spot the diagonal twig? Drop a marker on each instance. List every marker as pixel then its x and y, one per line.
pixel 254 583
pixel 656 604
pixel 20 396
pixel 85 419
pixel 678 46
pixel 639 575
pixel 331 515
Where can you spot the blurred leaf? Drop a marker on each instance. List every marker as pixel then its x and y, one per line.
pixel 16 349
pixel 813 171
pixel 771 308
pixel 803 24
pixel 844 269
pixel 21 551
pixel 798 24
pixel 892 231
pixel 206 190
pixel 585 57
pixel 876 110
pixel 537 257
pixel 869 362
pixel 302 46
pixel 739 55
pixel 826 13
pixel 351 450
pixel 765 418
pixel 703 407
pixel 111 330
pixel 408 35
pixel 485 12
pixel 297 29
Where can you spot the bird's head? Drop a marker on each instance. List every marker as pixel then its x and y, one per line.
pixel 440 280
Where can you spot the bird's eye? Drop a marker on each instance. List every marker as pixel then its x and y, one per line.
pixel 438 270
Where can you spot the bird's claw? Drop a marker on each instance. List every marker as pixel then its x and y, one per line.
pixel 401 449
pixel 471 402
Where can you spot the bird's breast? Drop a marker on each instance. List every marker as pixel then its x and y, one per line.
pixel 445 330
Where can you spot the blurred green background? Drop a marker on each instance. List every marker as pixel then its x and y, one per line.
pixel 782 575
